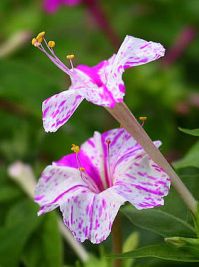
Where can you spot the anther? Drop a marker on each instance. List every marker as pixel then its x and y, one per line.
pixel 82 169
pixel 142 119
pixel 51 44
pixel 34 41
pixel 70 57
pixel 40 35
pixel 75 148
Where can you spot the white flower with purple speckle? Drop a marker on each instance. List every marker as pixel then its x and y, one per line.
pixel 101 84
pixel 91 185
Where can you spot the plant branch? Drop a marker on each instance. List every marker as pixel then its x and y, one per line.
pixel 124 116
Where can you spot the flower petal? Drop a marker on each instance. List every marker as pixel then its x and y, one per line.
pixel 99 154
pixel 134 52
pixel 92 159
pixel 81 160
pixel 95 79
pixel 90 216
pixel 59 108
pixel 141 181
pixel 57 184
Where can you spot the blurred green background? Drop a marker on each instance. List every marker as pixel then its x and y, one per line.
pixel 165 91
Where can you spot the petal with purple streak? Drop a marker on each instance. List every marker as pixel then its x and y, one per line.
pixel 59 108
pixel 90 216
pixel 97 90
pixel 134 52
pixel 141 182
pixel 57 184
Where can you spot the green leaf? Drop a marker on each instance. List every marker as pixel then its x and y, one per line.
pixel 45 248
pixel 159 222
pixel 161 251
pixel 190 159
pixel 180 242
pixel 194 132
pixel 20 224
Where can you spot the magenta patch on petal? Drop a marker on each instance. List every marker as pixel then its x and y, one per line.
pixel 122 88
pixel 93 73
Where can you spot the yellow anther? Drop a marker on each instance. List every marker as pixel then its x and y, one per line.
pixel 75 148
pixel 142 118
pixel 82 169
pixel 34 41
pixel 51 44
pixel 39 39
pixel 70 57
pixel 40 35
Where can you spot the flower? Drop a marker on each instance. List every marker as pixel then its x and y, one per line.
pixel 101 84
pixel 51 6
pixel 90 185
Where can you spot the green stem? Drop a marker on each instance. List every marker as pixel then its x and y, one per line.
pixel 117 240
pixel 124 116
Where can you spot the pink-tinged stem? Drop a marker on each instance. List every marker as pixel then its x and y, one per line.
pixel 117 240
pixel 102 21
pixel 183 40
pixel 124 116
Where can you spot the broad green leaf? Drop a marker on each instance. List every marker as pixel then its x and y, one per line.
pixel 20 224
pixel 159 222
pixel 182 241
pixel 194 132
pixel 45 247
pixel 191 159
pixel 161 251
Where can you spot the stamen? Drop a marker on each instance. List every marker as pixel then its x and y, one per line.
pixel 142 119
pixel 51 44
pixel 108 142
pixel 49 52
pixel 40 37
pixel 70 58
pixel 41 34
pixel 75 148
pixel 35 42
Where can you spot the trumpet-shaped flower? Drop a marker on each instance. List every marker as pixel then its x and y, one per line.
pixel 101 84
pixel 51 6
pixel 91 184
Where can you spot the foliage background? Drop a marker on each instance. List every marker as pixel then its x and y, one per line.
pixel 166 92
